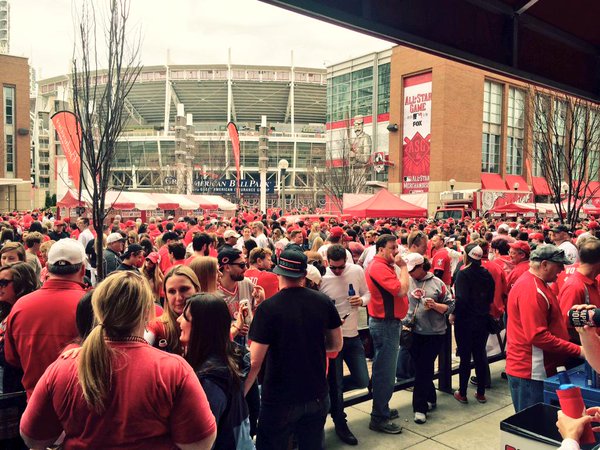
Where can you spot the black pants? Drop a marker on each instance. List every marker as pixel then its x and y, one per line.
pixel 306 420
pixel 424 351
pixel 471 338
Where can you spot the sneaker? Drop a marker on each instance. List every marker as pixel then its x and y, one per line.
pixel 385 427
pixel 460 398
pixel 431 406
pixel 473 381
pixel 420 418
pixel 394 413
pixel 480 398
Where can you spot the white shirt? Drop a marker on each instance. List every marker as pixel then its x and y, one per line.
pixel 336 287
pixel 262 241
pixel 323 252
pixel 85 237
pixel 570 251
pixel 369 254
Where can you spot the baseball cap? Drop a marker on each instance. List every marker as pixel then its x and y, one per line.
pixel 130 223
pixel 336 232
pixel 66 252
pixel 503 227
pixel 313 274
pixel 548 252
pixel 133 248
pixel 521 245
pixel 592 224
pixel 538 236
pixel 230 233
pixel 476 253
pixel 228 255
pixel 561 229
pixel 413 260
pixel 292 264
pixel 114 237
pixel 58 223
pixel 154 257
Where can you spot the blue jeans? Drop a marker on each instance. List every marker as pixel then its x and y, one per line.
pixel 525 393
pixel 353 354
pixel 386 337
pixel 277 422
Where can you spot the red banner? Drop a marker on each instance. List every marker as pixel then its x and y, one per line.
pixel 416 134
pixel 69 134
pixel 235 145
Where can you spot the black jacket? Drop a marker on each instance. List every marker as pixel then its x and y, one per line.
pixel 474 291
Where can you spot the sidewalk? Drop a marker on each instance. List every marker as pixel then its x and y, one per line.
pixel 451 426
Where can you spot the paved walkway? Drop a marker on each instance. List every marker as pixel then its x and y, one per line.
pixel 451 426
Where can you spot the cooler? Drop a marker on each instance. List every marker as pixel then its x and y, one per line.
pixel 591 396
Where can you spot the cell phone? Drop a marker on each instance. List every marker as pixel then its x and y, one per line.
pixel 346 316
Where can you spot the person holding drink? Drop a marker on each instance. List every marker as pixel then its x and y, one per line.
pixel 430 303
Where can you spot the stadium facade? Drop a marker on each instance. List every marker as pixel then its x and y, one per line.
pixel 178 117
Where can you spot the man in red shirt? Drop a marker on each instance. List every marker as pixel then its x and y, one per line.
pixel 261 262
pixel 441 260
pixel 169 237
pixel 539 341
pixel 500 249
pixel 387 307
pixel 582 287
pixel 42 323
pixel 519 256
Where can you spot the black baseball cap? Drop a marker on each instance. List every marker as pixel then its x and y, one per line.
pixel 228 255
pixel 292 264
pixel 133 248
pixel 561 229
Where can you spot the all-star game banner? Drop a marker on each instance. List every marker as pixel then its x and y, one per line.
pixel 416 134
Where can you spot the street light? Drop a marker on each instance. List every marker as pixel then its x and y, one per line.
pixel 283 167
pixel 452 182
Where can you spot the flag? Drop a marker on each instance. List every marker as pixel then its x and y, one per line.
pixel 235 145
pixel 69 134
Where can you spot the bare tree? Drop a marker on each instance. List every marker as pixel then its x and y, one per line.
pixel 343 173
pixel 99 98
pixel 566 148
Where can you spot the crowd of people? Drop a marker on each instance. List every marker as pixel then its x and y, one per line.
pixel 234 333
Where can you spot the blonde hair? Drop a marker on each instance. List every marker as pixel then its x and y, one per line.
pixel 169 317
pixel 45 247
pixel 206 269
pixel 121 303
pixel 317 243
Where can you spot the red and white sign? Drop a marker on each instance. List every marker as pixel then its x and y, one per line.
pixel 69 134
pixel 416 134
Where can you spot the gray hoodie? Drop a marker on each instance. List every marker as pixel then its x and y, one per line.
pixel 429 321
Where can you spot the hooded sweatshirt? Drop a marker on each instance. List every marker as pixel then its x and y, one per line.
pixel 429 321
pixel 474 290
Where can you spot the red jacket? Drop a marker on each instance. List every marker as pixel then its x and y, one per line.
pixel 515 274
pixel 573 292
pixel 538 339
pixel 39 327
pixel 384 304
pixel 499 305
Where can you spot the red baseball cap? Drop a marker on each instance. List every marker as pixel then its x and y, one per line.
pixel 592 225
pixel 521 245
pixel 154 257
pixel 336 232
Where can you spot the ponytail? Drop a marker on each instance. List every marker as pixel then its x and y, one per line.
pixel 95 369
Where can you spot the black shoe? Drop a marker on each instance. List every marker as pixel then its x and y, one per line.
pixel 504 376
pixel 474 382
pixel 394 413
pixel 345 434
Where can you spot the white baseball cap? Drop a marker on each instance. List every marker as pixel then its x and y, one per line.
pixel 114 237
pixel 66 252
pixel 313 274
pixel 413 260
pixel 230 233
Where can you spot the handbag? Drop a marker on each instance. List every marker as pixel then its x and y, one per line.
pixel 406 334
pixel 494 326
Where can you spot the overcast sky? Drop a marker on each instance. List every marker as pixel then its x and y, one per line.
pixel 194 31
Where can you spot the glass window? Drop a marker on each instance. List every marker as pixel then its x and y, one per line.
pixel 362 92
pixel 383 89
pixel 339 98
pixel 10 153
pixel 9 105
pixel 515 131
pixel 492 126
pixel 594 145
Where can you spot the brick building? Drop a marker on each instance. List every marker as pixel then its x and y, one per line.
pixel 15 148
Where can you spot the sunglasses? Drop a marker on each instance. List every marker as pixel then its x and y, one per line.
pixel 4 283
pixel 240 265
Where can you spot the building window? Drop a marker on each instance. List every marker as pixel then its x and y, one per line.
pixel 383 89
pixel 362 92
pixel 492 126
pixel 339 98
pixel 594 145
pixel 10 153
pixel 9 105
pixel 515 131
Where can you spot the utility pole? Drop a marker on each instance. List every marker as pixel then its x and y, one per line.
pixel 263 161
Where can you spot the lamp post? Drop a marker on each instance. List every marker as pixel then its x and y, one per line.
pixel 283 167
pixel 452 182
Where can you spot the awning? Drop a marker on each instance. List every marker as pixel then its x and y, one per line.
pixel 492 181
pixel 593 189
pixel 202 202
pixel 517 181
pixel 223 204
pixel 540 186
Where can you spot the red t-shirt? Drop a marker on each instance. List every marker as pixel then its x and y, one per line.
pixel 563 277
pixel 165 262
pixel 499 304
pixel 267 280
pixel 505 263
pixel 573 292
pixel 39 327
pixel 156 400
pixel 441 261
pixel 514 274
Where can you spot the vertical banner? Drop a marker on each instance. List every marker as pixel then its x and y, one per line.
pixel 69 134
pixel 235 145
pixel 416 134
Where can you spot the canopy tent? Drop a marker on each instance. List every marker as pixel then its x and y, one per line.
pixel 202 202
pixel 519 208
pixel 70 200
pixel 223 204
pixel 386 204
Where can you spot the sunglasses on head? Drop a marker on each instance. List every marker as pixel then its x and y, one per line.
pixel 4 283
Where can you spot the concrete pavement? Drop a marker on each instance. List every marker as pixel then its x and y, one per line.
pixel 451 425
